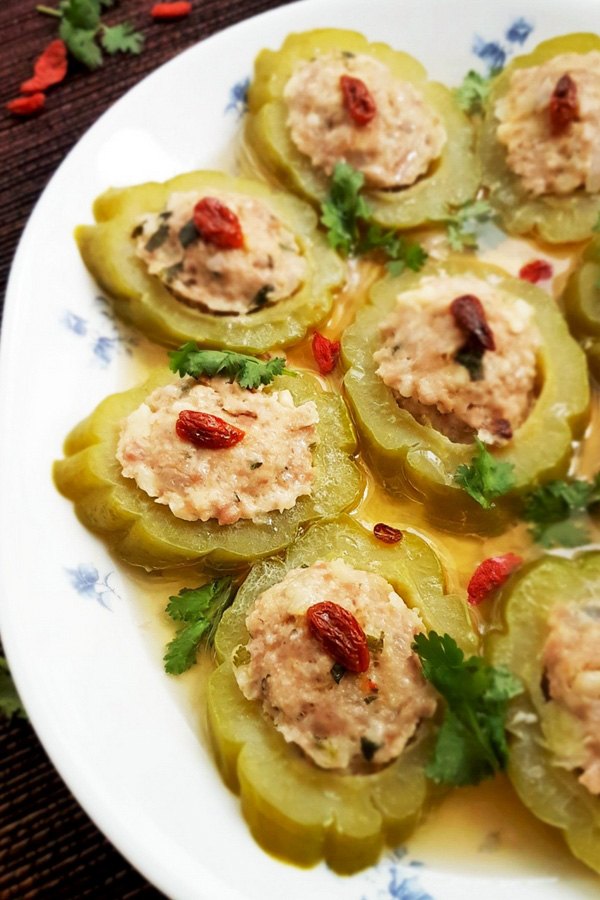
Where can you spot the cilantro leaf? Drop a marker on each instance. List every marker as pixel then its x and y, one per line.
pixel 471 743
pixel 81 14
pixel 473 92
pixel 10 702
pixel 121 39
pixel 486 477
pixel 201 610
pixel 81 43
pixel 556 511
pixel 248 371
pixel 461 224
pixel 401 254
pixel 344 208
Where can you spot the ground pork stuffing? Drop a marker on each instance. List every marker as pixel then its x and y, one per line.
pixel 269 267
pixel 392 151
pixel 547 163
pixel 366 717
pixel 266 471
pixel 571 659
pixel 419 342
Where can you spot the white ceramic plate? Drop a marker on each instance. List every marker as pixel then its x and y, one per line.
pixel 82 644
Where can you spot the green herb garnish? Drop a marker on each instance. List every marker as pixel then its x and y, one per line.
pixel 461 224
pixel 337 672
pixel 473 92
pixel 81 28
pixel 472 360
pixel 471 743
pixel 348 218
pixel 201 610
pixel 556 511
pixel 486 477
pixel 10 702
pixel 248 371
pixel 157 239
pixel 188 234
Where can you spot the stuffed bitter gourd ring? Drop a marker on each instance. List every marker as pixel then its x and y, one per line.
pixel 581 301
pixel 452 179
pixel 419 460
pixel 145 533
pixel 295 809
pixel 108 250
pixel 540 731
pixel 555 218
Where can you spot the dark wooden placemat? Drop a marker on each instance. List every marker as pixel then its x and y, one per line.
pixel 48 845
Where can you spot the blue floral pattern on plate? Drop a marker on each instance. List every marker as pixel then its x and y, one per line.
pixel 238 98
pixel 87 582
pixel 401 881
pixel 495 53
pixel 106 337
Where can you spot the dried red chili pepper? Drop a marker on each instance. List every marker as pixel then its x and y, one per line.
pixel 325 352
pixel 177 10
pixel 536 270
pixel 490 575
pixel 358 100
pixel 564 105
pixel 26 106
pixel 207 431
pixel 217 224
pixel 469 316
pixel 49 68
pixel 387 534
pixel 339 634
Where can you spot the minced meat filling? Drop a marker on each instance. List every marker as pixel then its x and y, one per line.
pixel 348 721
pixel 268 268
pixel 550 163
pixel 571 659
pixel 392 151
pixel 266 471
pixel 417 360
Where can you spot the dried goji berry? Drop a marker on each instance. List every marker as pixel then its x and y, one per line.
pixel 325 352
pixel 469 316
pixel 564 105
pixel 339 634
pixel 217 224
pixel 490 575
pixel 387 534
pixel 26 106
pixel 358 100
pixel 536 270
pixel 208 431
pixel 49 68
pixel 177 10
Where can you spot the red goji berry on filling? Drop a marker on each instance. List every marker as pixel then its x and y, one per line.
pixel 469 316
pixel 564 105
pixel 339 634
pixel 176 10
pixel 490 575
pixel 49 68
pixel 358 100
pixel 205 430
pixel 387 533
pixel 325 352
pixel 26 106
pixel 536 270
pixel 217 224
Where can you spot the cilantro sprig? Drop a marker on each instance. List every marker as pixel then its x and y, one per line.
pixel 200 609
pixel 347 216
pixel 486 477
pixel 85 34
pixel 473 92
pixel 471 743
pixel 461 225
pixel 248 371
pixel 10 702
pixel 557 511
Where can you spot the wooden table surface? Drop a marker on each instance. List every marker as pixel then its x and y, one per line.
pixel 48 845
